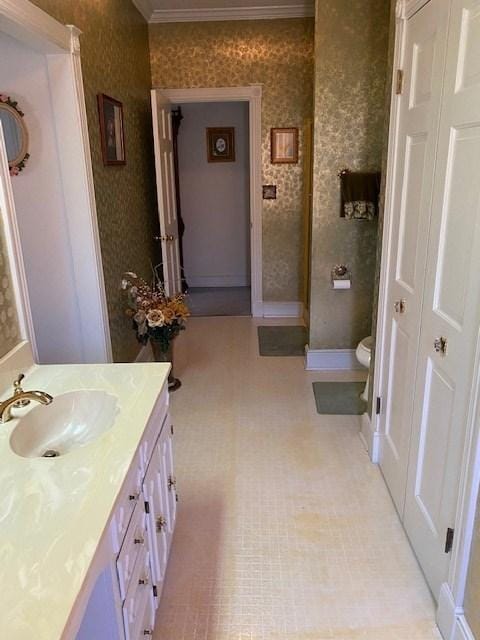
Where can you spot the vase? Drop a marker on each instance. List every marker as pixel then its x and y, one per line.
pixel 161 355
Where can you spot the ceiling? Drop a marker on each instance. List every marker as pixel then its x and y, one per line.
pixel 202 10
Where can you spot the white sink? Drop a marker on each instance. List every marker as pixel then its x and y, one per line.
pixel 72 420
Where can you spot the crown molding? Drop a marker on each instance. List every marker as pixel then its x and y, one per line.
pixel 145 7
pixel 303 9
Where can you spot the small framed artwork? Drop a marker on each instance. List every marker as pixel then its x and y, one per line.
pixel 221 144
pixel 269 191
pixel 110 112
pixel 284 145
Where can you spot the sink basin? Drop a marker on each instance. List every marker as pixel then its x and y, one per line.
pixel 73 420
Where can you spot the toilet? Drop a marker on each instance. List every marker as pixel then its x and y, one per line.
pixel 364 353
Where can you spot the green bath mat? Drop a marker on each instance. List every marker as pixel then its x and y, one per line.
pixel 282 341
pixel 339 398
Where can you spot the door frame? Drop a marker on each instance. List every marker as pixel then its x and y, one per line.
pixel 450 613
pixel 60 44
pixel 253 95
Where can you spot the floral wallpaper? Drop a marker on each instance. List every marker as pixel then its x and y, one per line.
pixel 472 596
pixel 9 325
pixel 115 61
pixel 351 38
pixel 279 55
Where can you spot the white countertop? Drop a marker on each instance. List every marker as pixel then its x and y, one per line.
pixel 53 512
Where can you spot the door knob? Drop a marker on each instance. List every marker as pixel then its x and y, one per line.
pixel 158 238
pixel 400 306
pixel 440 345
pixel 170 238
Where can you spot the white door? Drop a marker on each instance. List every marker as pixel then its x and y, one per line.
pixel 167 208
pixel 419 114
pixel 452 305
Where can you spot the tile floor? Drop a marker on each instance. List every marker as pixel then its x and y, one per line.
pixel 285 529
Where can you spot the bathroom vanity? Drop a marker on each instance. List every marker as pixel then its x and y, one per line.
pixel 85 535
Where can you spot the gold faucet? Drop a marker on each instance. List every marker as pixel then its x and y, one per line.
pixel 20 399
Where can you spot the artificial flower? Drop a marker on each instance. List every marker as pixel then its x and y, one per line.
pixel 155 318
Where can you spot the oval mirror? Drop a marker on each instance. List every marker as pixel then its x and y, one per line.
pixel 15 134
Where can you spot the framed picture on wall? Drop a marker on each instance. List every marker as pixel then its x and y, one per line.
pixel 110 112
pixel 284 145
pixel 221 144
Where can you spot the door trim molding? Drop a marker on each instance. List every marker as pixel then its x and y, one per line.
pixel 60 44
pixel 253 95
pixel 380 374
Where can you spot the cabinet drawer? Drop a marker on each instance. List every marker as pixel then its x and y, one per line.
pixel 139 596
pixel 135 542
pixel 154 428
pixel 130 496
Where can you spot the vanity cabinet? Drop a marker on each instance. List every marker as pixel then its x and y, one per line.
pixel 140 536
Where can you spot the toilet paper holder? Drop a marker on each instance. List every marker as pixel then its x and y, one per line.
pixel 341 277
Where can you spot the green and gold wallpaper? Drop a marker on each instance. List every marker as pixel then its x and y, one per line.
pixel 116 61
pixel 351 40
pixel 9 325
pixel 279 55
pixel 472 596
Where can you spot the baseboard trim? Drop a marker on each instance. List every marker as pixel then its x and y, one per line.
pixel 451 619
pixel 283 310
pixel 145 354
pixel 218 281
pixel 331 360
pixel 370 437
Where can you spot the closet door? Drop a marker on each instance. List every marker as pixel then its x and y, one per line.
pixel 419 114
pixel 451 312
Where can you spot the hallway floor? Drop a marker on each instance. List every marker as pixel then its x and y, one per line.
pixel 285 529
pixel 219 301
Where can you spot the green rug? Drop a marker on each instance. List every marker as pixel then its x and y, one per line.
pixel 282 341
pixel 339 398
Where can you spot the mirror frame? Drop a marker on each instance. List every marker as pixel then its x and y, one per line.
pixel 18 164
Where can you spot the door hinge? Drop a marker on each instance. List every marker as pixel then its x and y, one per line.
pixel 171 429
pixel 155 592
pixel 449 540
pixel 399 82
pixel 147 507
pixel 378 407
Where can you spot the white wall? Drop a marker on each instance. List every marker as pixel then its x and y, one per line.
pixel 40 209
pixel 215 198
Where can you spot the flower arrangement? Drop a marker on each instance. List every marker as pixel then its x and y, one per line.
pixel 155 316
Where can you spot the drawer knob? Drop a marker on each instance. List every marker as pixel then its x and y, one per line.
pixel 138 540
pixel 143 581
pixel 147 632
pixel 160 522
pixel 171 482
pixel 134 496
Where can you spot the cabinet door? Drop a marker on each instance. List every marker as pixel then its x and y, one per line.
pixel 155 504
pixel 165 447
pixel 451 310
pixel 417 136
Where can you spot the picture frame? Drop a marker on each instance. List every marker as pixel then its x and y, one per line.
pixel 110 113
pixel 221 144
pixel 284 145
pixel 269 191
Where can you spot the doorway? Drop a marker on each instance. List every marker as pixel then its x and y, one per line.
pixel 234 295
pixel 215 208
